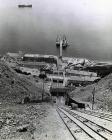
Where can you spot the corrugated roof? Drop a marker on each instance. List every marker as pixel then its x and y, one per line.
pixel 83 78
pixel 82 72
pixel 75 78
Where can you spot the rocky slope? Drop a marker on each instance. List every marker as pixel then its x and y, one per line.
pixel 15 87
pixel 102 91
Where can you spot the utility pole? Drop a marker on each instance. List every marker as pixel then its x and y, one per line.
pixel 93 98
pixel 43 90
pixel 43 76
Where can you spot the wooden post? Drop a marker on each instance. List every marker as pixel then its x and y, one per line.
pixel 43 91
pixel 93 94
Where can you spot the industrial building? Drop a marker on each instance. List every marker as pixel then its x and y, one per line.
pixel 40 58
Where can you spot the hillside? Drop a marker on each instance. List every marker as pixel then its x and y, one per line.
pixel 15 87
pixel 103 93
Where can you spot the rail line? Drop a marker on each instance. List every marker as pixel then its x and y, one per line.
pixel 75 130
pixel 104 116
pixel 96 131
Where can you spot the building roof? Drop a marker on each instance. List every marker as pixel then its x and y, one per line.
pixel 83 78
pixel 13 54
pixel 40 55
pixel 75 78
pixel 86 73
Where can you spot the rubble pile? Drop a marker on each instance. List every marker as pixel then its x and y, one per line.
pixel 102 92
pixel 18 122
pixel 15 87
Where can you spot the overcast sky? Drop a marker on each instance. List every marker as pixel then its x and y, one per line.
pixel 86 23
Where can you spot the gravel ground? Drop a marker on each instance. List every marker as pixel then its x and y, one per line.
pixel 31 122
pixel 17 122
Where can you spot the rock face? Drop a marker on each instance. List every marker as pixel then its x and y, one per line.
pixel 14 87
pixel 103 93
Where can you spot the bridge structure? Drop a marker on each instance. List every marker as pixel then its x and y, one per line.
pixel 59 93
pixel 58 89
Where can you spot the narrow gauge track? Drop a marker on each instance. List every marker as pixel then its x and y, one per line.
pixel 93 129
pixel 104 116
pixel 75 130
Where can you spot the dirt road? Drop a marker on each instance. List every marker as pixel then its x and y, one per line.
pixel 52 128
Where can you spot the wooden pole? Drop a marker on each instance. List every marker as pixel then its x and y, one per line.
pixel 93 94
pixel 43 91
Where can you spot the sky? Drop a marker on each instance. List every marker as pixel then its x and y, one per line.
pixel 87 25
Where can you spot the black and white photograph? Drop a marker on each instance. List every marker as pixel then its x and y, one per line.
pixel 55 69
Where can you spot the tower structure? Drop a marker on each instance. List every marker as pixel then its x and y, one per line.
pixel 61 43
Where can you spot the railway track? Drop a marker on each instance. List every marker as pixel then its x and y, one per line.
pixel 82 128
pixel 104 116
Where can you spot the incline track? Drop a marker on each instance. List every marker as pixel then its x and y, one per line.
pixel 88 129
pixel 104 116
pixel 76 131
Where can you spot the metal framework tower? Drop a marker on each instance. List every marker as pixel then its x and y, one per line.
pixel 61 43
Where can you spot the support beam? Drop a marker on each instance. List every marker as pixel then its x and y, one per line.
pixel 61 42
